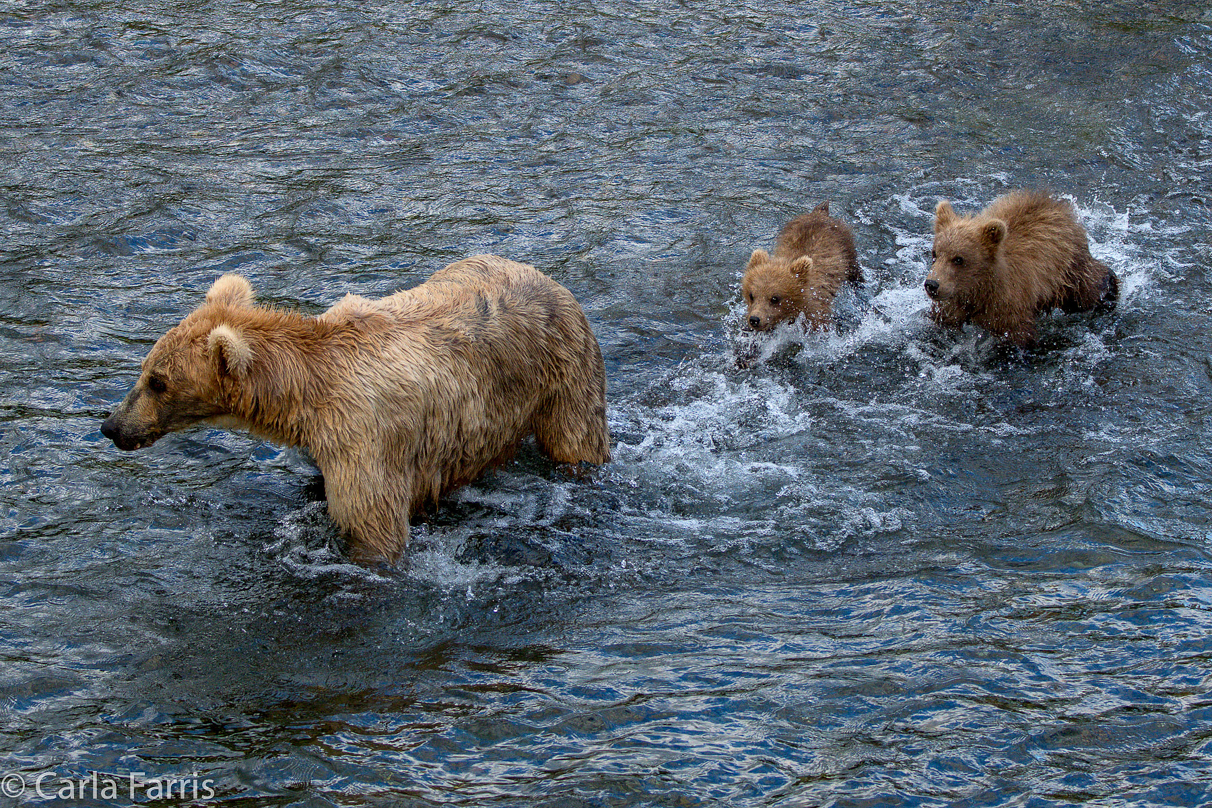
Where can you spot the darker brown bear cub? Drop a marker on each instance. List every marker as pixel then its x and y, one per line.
pixel 813 255
pixel 1024 254
pixel 397 400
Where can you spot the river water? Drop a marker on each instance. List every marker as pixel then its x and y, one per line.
pixel 882 566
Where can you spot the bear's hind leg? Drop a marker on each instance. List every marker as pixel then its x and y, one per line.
pixel 572 429
pixel 1108 292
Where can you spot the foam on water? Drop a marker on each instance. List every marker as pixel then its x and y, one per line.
pixel 705 460
pixel 306 544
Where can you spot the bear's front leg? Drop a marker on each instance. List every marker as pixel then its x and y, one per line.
pixel 371 507
pixel 947 316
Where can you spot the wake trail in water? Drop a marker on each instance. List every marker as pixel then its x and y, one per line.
pixel 713 457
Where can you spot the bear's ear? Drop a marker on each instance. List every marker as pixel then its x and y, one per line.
pixel 230 350
pixel 944 216
pixel 758 257
pixel 802 267
pixel 992 234
pixel 822 208
pixel 230 290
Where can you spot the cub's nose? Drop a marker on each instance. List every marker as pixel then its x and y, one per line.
pixel 932 287
pixel 755 322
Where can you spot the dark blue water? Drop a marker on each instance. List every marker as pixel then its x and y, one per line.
pixel 884 566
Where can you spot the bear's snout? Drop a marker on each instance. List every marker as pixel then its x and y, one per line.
pixel 112 429
pixel 755 323
pixel 932 287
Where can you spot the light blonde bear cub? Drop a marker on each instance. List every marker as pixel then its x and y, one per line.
pixel 397 400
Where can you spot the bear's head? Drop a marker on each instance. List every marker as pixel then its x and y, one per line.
pixel 776 290
pixel 965 250
pixel 191 373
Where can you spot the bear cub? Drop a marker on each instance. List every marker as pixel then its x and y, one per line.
pixel 813 255
pixel 1024 254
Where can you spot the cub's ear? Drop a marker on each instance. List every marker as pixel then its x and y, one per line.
pixel 230 350
pixel 231 290
pixel 992 233
pixel 802 267
pixel 758 257
pixel 944 216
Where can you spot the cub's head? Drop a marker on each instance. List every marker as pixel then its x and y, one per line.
pixel 191 372
pixel 964 250
pixel 775 290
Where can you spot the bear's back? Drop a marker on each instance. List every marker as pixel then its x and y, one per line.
pixel 1042 232
pixel 827 240
pixel 466 295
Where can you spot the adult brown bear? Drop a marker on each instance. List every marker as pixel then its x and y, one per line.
pixel 397 400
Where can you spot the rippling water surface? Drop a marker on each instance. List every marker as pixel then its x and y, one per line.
pixel 884 566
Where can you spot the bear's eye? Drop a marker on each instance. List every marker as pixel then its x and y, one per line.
pixel 958 260
pixel 751 297
pixel 774 301
pixel 157 384
pixel 933 255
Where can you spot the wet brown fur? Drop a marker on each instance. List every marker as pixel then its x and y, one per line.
pixel 397 400
pixel 814 254
pixel 1025 254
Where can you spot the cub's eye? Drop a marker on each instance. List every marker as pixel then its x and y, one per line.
pixel 958 260
pixel 774 301
pixel 157 385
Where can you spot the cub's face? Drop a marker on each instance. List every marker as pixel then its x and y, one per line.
pixel 963 251
pixel 953 261
pixel 773 290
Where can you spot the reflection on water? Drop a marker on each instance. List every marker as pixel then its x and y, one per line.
pixel 885 565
